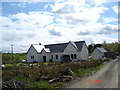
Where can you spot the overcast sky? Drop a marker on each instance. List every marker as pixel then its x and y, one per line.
pixel 48 22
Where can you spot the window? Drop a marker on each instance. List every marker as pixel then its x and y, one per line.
pixel 75 56
pixel 72 56
pixel 44 58
pixel 32 57
pixel 51 56
pixel 56 56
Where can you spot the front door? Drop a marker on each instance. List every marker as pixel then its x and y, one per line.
pixel 66 58
pixel 44 58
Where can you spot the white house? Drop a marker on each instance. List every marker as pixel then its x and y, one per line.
pixel 98 53
pixel 61 52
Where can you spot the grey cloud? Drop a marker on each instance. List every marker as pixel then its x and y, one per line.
pixel 71 20
pixel 54 33
pixel 89 40
pixel 108 30
pixel 66 9
pixel 30 35
pixel 16 36
pixel 11 36
pixel 84 33
pixel 24 46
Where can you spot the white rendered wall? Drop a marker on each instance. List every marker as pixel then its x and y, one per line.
pixel 96 54
pixel 32 52
pixel 70 49
pixel 84 52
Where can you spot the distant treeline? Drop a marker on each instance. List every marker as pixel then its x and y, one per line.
pixel 13 58
pixel 108 46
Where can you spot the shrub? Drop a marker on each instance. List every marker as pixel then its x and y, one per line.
pixel 19 64
pixel 107 59
pixel 58 85
pixel 92 60
pixel 7 75
pixel 8 65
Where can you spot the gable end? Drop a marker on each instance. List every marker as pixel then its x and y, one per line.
pixel 30 48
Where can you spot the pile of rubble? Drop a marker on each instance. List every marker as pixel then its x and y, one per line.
pixel 64 75
pixel 13 84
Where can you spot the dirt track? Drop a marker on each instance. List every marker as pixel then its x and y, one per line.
pixel 107 77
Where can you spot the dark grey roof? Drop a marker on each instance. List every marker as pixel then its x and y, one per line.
pixel 56 47
pixel 60 47
pixel 101 49
pixel 74 45
pixel 79 44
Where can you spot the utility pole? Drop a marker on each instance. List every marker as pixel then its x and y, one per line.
pixel 12 51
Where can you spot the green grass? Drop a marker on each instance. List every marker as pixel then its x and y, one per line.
pixel 58 85
pixel 39 85
pixel 83 72
pixel 45 85
pixel 21 78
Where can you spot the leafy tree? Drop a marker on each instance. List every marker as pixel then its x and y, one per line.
pixel 97 45
pixel 91 48
pixel 104 45
pixel 115 46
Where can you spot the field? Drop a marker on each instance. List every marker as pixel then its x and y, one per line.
pixel 44 75
pixel 48 75
pixel 13 58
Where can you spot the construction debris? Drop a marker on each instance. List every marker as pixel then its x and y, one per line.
pixel 13 84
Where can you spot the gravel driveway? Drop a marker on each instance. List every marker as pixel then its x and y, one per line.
pixel 107 77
